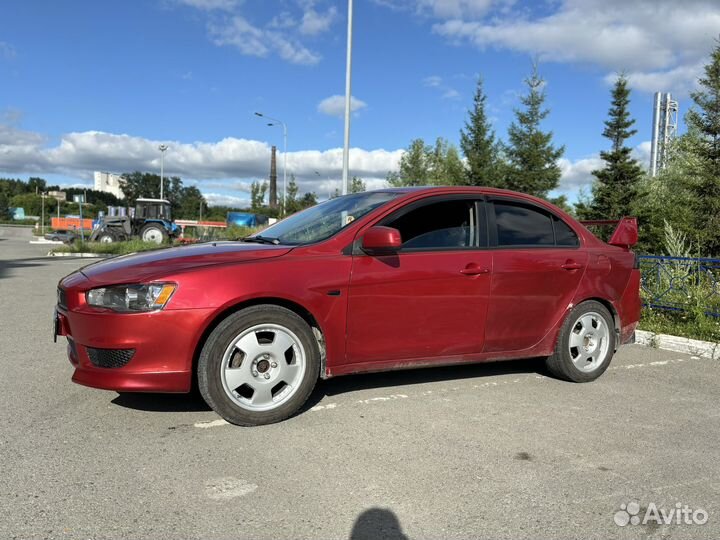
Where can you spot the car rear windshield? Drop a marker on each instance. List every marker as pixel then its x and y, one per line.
pixel 325 219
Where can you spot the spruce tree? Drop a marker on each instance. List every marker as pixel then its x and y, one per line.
pixel 445 166
pixel 292 203
pixel 479 146
pixel 414 166
pixel 357 185
pixel 532 158
pixel 617 184
pixel 704 182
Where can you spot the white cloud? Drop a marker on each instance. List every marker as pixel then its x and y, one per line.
pixel 254 41
pixel 210 5
pixel 433 81
pixel 282 35
pixel 7 51
pixel 11 136
pixel 577 175
pixel 680 80
pixel 451 9
pixel 314 23
pixel 224 168
pixel 335 105
pixel 444 9
pixel 218 199
pixel 283 20
pixel 642 153
pixel 657 41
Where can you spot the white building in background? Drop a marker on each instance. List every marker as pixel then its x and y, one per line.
pixel 110 183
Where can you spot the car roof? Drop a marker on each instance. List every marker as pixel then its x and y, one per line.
pixel 445 189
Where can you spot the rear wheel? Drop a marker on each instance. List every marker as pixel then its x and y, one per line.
pixel 586 344
pixel 259 365
pixel 154 233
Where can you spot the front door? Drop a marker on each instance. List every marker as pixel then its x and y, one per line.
pixel 430 299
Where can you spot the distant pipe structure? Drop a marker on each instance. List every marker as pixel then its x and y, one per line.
pixel 664 130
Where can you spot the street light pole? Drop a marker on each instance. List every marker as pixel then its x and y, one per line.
pixel 348 73
pixel 162 149
pixel 42 215
pixel 284 126
pixel 330 183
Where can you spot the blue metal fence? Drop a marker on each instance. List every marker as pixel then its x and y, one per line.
pixel 678 283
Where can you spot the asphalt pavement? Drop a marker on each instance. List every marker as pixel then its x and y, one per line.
pixel 487 451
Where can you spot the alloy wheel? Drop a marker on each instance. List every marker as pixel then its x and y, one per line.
pixel 263 367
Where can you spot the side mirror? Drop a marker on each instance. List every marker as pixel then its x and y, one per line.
pixel 381 239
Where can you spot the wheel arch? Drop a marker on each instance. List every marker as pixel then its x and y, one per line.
pixel 611 308
pixel 290 305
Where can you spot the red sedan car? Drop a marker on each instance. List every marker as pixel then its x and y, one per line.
pixel 381 280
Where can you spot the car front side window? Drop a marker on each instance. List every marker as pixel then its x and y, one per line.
pixel 441 225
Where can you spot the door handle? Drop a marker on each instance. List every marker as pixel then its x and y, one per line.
pixel 571 265
pixel 474 270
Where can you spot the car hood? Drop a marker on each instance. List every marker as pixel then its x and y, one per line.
pixel 150 265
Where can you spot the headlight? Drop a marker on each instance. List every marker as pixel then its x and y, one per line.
pixel 132 298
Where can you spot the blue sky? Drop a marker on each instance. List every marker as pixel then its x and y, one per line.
pixel 90 85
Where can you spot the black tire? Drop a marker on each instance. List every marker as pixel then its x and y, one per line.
pixel 561 362
pixel 155 233
pixel 107 237
pixel 211 365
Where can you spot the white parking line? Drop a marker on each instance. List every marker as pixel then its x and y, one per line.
pixel 220 489
pixel 213 423
pixel 448 389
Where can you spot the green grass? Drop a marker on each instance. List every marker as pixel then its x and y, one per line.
pixel 19 222
pixel 134 246
pixel 113 248
pixel 689 324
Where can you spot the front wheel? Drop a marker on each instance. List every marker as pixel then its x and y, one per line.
pixel 586 344
pixel 107 237
pixel 259 365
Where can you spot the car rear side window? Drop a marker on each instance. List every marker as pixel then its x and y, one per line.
pixel 564 235
pixel 448 224
pixel 521 225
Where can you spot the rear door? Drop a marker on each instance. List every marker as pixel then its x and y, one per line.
pixel 537 267
pixel 430 299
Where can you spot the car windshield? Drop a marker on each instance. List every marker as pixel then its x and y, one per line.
pixel 325 219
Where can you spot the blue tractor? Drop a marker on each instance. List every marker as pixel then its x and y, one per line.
pixel 150 222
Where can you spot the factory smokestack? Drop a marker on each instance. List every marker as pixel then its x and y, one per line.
pixel 273 180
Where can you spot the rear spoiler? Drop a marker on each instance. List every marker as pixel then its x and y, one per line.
pixel 625 234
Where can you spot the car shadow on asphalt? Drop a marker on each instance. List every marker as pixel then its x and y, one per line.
pixel 7 265
pixel 193 402
pixel 425 375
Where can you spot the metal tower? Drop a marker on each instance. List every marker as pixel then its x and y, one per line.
pixel 665 116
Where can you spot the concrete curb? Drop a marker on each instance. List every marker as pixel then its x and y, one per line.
pixel 48 242
pixel 79 255
pixel 705 349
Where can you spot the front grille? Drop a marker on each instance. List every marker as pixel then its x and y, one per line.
pixel 110 358
pixel 61 298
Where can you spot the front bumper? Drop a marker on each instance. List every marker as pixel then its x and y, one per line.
pixel 163 345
